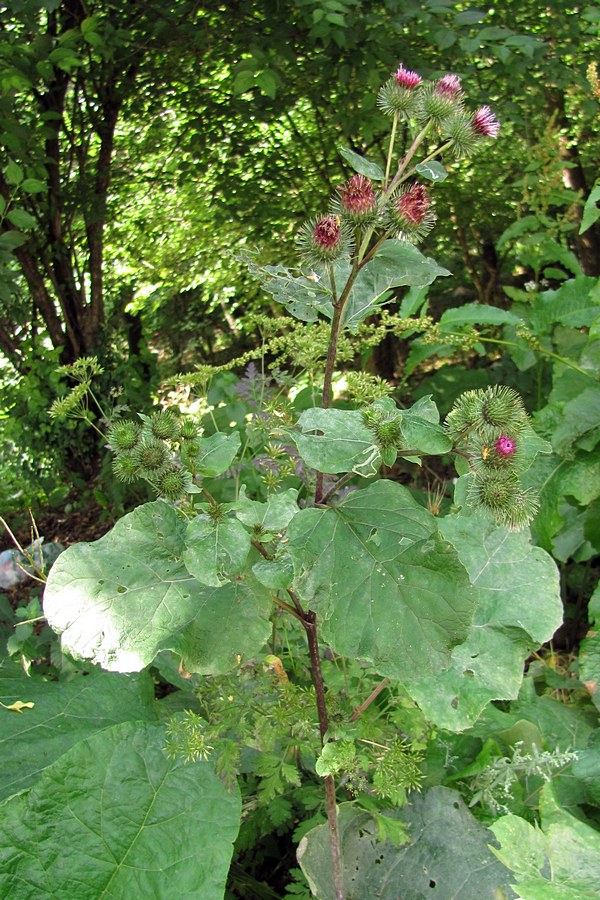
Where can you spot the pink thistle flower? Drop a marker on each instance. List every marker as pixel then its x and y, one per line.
pixel 406 79
pixel 448 86
pixel 327 233
pixel 357 197
pixel 414 204
pixel 485 123
pixel 505 446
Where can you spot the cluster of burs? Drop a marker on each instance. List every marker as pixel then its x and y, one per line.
pixel 161 449
pixel 489 428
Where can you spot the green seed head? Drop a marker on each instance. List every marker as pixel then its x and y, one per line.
pixel 173 485
pixel 496 490
pixel 388 433
pixel 152 456
pixel 123 435
pixel 126 467
pixel 503 408
pixel 165 425
pixel 189 430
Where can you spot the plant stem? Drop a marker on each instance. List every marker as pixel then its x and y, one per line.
pixel 409 155
pixel 390 150
pixel 310 626
pixel 375 693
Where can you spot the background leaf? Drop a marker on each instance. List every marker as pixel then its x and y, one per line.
pixel 448 854
pixel 361 165
pixel 113 817
pixel 562 860
pixel 64 713
pixel 216 454
pixel 519 608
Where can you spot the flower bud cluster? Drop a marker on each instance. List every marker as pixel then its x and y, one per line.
pixel 488 427
pixel 385 421
pixel 403 207
pixel 161 450
pixel 440 103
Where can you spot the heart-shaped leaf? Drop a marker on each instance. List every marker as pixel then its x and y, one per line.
pixel 385 584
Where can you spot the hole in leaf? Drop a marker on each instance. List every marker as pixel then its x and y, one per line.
pixel 121 589
pixel 469 673
pixel 432 883
pixel 454 702
pixel 456 805
pixel 474 655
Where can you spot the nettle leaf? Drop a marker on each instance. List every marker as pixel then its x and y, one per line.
pixel 387 587
pixel 519 609
pixel 215 549
pixel 397 263
pixel 62 714
pixel 361 165
pixel 591 213
pixel 114 817
pixel 448 854
pixel 122 599
pixel 432 171
pixel 344 443
pixel 216 454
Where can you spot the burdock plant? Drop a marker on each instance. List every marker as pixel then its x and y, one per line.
pixel 369 571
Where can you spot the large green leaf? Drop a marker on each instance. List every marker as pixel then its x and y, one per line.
pixel 561 861
pixel 448 855
pixel 384 583
pixel 269 517
pixel 215 549
pixel 122 599
pixel 397 263
pixel 343 443
pixel 519 609
pixel 114 817
pixel 216 453
pixel 62 714
pixel 421 429
pixel 303 296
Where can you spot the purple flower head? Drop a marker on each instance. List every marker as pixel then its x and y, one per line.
pixel 448 86
pixel 357 196
pixel 406 79
pixel 414 204
pixel 327 233
pixel 485 122
pixel 505 446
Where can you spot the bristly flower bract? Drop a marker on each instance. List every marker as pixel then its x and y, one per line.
pixel 152 456
pixel 357 201
pixel 165 425
pixel 410 213
pixel 399 95
pixel 126 467
pixel 323 240
pixel 123 435
pixel 485 122
pixel 174 484
pixel 439 100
